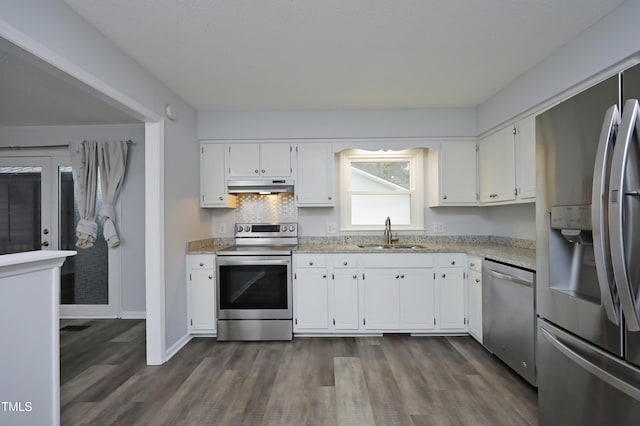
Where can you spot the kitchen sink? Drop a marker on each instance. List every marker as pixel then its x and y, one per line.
pixel 390 246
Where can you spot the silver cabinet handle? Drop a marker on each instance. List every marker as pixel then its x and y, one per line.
pixel 599 197
pixel 256 171
pixel 402 276
pixel 220 198
pixel 453 262
pixel 310 263
pixel 397 276
pixel 210 277
pixel 477 280
pixel 201 264
pixel 263 171
pixel 324 276
pixel 617 199
pixel 444 275
pixel 355 277
pixel 345 263
pixel 45 244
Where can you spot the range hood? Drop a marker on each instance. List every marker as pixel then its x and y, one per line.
pixel 260 186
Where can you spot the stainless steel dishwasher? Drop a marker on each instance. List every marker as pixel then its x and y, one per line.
pixel 509 316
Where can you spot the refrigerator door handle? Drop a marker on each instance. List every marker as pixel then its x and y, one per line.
pixel 599 216
pixel 602 374
pixel 630 123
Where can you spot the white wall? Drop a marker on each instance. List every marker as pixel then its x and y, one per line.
pixel 605 47
pixel 52 31
pixel 131 200
pixel 454 122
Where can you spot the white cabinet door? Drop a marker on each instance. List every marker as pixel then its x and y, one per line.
pixel 243 160
pixel 311 296
pixel 458 173
pixel 345 299
pixel 275 160
pixel 452 300
pixel 381 299
pixel 475 305
pixel 417 304
pixel 497 168
pixel 314 186
pixel 201 293
pixel 526 158
pixel 213 189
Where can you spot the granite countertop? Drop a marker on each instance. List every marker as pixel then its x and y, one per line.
pixel 513 251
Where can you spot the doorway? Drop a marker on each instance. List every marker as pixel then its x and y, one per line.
pixel 38 211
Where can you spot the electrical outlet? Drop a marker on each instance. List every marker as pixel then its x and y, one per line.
pixel 331 228
pixel 438 227
pixel 222 228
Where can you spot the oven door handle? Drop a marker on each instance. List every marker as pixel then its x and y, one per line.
pixel 257 261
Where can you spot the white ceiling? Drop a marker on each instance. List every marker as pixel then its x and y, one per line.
pixel 33 93
pixel 258 55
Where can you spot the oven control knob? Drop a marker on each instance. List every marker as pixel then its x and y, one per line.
pixel 283 228
pixel 239 229
pixel 247 228
pixel 292 228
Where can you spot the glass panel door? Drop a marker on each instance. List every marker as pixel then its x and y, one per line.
pixel 87 288
pixel 25 201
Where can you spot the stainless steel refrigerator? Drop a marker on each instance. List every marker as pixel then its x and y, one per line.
pixel 588 256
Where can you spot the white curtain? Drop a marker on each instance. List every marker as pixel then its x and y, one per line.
pixel 112 160
pixel 86 158
pixel 85 181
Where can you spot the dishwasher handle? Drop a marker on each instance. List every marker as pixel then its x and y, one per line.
pixel 511 278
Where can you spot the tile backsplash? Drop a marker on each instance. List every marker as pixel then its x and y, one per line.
pixel 258 208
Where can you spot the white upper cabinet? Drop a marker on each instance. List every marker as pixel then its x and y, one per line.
pixel 257 160
pixel 314 185
pixel 507 161
pixel 526 159
pixel 497 166
pixel 213 188
pixel 452 175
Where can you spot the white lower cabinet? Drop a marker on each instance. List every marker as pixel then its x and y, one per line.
pixel 381 299
pixel 344 299
pixel 450 275
pixel 201 294
pixel 475 297
pixel 417 299
pixel 310 294
pixel 371 293
pixel 398 292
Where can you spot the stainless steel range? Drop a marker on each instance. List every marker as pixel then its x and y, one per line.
pixel 254 286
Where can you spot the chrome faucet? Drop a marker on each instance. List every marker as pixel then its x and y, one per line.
pixel 387 231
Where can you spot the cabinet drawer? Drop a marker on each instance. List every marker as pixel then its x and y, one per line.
pixel 345 261
pixel 201 261
pixel 454 260
pixel 474 263
pixel 310 260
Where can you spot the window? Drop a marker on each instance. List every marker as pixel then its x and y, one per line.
pixel 378 184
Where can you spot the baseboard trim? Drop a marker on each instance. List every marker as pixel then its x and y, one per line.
pixel 133 315
pixel 175 348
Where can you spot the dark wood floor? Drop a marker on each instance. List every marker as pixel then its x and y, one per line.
pixel 391 380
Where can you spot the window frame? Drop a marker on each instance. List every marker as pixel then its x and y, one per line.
pixel 414 156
